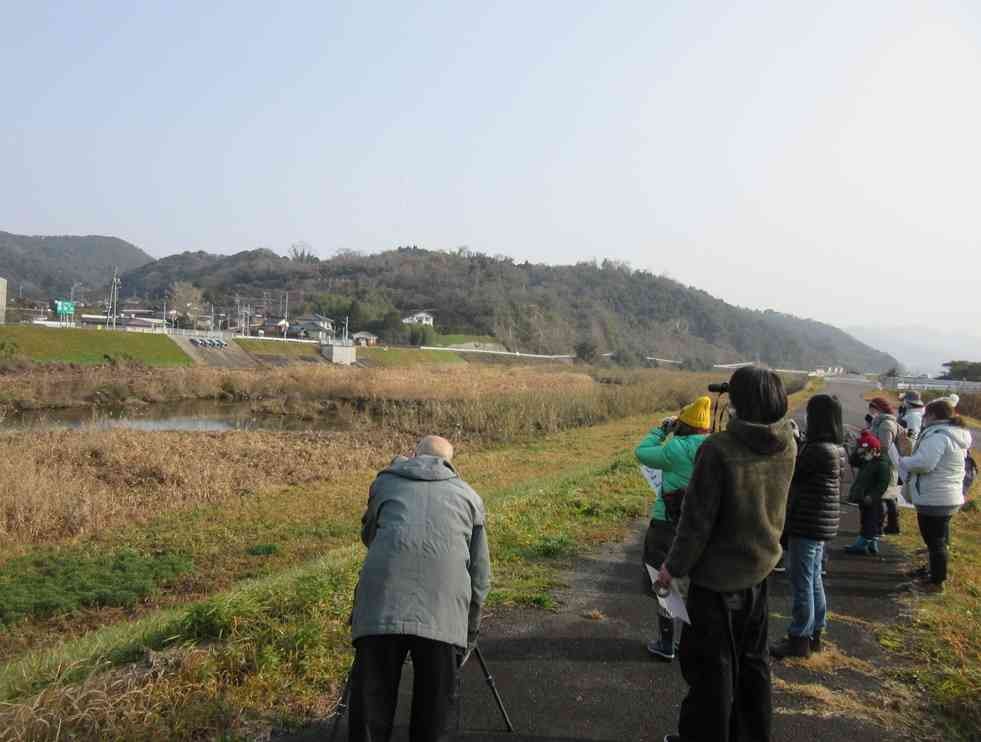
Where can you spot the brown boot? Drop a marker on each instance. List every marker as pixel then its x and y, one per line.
pixel 816 642
pixel 792 646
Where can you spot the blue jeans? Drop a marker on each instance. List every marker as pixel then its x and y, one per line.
pixel 809 613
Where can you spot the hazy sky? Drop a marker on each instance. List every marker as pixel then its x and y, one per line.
pixel 823 161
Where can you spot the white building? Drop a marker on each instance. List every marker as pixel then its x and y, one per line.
pixel 419 318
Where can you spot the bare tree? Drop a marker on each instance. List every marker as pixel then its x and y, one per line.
pixel 186 299
pixel 302 252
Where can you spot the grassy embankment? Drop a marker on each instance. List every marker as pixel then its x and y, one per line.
pixel 67 345
pixel 941 643
pixel 279 348
pixel 391 357
pixel 446 340
pixel 152 544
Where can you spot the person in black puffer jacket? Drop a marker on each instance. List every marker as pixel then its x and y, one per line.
pixel 812 519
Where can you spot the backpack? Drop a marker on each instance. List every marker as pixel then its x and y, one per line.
pixel 970 471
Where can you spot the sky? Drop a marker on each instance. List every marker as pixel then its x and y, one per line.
pixel 821 159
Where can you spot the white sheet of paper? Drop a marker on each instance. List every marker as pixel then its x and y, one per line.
pixel 673 604
pixel 903 503
pixel 654 477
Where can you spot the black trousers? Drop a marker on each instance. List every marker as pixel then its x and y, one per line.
pixel 872 517
pixel 375 680
pixel 935 530
pixel 724 660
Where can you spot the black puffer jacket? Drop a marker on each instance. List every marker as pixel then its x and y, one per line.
pixel 814 493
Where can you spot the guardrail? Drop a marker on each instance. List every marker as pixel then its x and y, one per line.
pixel 899 383
pixel 510 354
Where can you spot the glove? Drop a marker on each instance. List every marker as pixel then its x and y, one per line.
pixel 462 657
pixel 867 500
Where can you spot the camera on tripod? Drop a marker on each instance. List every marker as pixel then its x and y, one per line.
pixel 722 388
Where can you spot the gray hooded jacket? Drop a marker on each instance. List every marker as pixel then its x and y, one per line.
pixel 427 572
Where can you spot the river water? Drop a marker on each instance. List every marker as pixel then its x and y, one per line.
pixel 188 416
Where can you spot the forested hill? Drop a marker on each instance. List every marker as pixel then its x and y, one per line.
pixel 47 267
pixel 531 307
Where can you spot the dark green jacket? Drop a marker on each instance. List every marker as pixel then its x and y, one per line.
pixel 427 572
pixel 729 535
pixel 873 479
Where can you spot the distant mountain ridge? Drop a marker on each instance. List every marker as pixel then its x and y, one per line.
pixel 48 266
pixel 531 307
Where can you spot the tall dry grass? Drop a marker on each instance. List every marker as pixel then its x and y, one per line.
pixel 58 485
pixel 63 484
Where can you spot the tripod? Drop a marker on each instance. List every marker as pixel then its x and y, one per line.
pixel 344 703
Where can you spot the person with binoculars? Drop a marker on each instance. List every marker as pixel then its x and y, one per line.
pixel 671 447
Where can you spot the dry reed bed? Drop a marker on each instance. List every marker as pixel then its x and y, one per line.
pixel 61 484
pixel 75 386
pixel 65 484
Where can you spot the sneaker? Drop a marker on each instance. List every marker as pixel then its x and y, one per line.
pixel 859 548
pixel 672 738
pixel 921 572
pixel 873 547
pixel 661 650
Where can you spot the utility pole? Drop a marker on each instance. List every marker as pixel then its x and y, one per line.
pixel 113 308
pixel 165 315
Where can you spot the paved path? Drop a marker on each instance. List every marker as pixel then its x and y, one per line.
pixel 583 673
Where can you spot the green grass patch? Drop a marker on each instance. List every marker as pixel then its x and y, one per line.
pixel 52 584
pixel 263 550
pixel 279 348
pixel 69 345
pixel 407 357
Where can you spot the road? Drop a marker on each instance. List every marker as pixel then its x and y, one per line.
pixel 582 672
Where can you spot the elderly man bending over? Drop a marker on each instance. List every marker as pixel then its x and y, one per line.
pixel 421 589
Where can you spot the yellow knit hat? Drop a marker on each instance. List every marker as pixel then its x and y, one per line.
pixel 698 414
